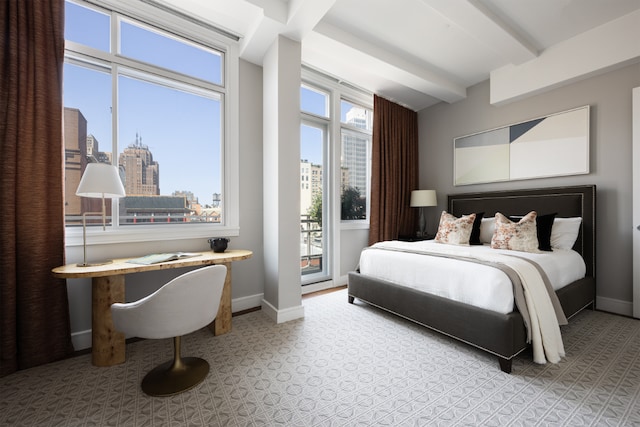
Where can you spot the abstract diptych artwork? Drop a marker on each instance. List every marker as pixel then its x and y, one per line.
pixel 554 145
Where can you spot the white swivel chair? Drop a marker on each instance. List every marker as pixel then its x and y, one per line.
pixel 184 305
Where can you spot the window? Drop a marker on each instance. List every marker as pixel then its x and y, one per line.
pixel 335 149
pixel 160 106
pixel 355 131
pixel 314 222
pixel 314 101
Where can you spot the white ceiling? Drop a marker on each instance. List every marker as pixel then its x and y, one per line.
pixel 415 52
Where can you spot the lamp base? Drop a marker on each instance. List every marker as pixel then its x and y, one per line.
pixel 93 264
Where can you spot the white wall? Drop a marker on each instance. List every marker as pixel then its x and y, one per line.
pixel 351 244
pixel 609 96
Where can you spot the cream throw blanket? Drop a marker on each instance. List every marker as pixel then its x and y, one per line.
pixel 546 338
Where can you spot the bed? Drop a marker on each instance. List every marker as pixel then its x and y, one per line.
pixel 501 334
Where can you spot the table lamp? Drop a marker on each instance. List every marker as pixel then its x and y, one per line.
pixel 421 199
pixel 99 180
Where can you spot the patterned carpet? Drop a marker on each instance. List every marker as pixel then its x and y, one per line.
pixel 344 365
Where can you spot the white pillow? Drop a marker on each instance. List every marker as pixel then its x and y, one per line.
pixel 487 228
pixel 564 232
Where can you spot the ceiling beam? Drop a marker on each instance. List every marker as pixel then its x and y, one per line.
pixel 272 9
pixel 329 41
pixel 294 20
pixel 474 18
pixel 304 15
pixel 601 49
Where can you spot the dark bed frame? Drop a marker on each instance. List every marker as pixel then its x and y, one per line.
pixel 503 335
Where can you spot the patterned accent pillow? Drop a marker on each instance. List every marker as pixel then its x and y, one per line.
pixel 516 236
pixel 455 231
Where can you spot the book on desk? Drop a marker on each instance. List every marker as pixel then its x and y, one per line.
pixel 164 257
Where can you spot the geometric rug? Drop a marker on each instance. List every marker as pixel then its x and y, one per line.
pixel 344 365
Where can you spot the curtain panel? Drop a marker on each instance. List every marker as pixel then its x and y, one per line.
pixel 394 170
pixel 34 309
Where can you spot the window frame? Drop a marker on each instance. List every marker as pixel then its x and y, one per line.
pixel 171 25
pixel 338 91
pixel 324 124
pixel 350 129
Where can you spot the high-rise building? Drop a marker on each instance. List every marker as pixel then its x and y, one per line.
pixel 76 159
pixel 75 152
pixel 141 172
pixel 354 149
pixel 359 118
pixel 93 147
pixel 94 155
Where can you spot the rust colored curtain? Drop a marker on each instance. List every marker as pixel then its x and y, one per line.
pixel 34 309
pixel 394 170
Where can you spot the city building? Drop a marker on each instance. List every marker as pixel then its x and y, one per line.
pixel 76 159
pixel 75 152
pixel 354 149
pixel 94 155
pixel 154 209
pixel 310 184
pixel 141 172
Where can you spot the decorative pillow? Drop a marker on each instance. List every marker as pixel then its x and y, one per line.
pixel 487 228
pixel 544 224
pixel 520 236
pixel 455 231
pixel 565 232
pixel 474 238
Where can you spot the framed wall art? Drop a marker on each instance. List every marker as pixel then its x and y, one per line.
pixel 554 145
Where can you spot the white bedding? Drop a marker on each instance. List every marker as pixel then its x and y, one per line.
pixel 475 284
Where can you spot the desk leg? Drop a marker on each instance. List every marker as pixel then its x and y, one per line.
pixel 222 323
pixel 107 345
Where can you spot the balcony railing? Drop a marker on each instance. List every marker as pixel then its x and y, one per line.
pixel 310 245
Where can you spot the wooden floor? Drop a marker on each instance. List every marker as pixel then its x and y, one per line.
pixel 323 292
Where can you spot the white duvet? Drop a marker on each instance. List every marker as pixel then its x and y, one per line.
pixel 470 283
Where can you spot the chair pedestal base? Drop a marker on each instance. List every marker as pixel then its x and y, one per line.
pixel 171 378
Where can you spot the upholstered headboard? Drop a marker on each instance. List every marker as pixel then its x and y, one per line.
pixel 565 201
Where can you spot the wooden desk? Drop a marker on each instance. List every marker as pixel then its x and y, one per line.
pixel 107 287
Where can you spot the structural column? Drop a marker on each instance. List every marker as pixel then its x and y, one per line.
pixel 281 172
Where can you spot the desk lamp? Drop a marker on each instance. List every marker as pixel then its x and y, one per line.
pixel 99 180
pixel 421 199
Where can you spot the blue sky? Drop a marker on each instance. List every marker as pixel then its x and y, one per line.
pixel 182 130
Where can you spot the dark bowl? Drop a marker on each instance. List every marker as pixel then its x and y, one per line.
pixel 218 244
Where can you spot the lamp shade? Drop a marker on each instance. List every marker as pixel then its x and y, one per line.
pixel 100 180
pixel 422 198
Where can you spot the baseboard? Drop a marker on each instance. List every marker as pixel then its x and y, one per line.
pixel 82 339
pixel 281 316
pixel 624 308
pixel 246 303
